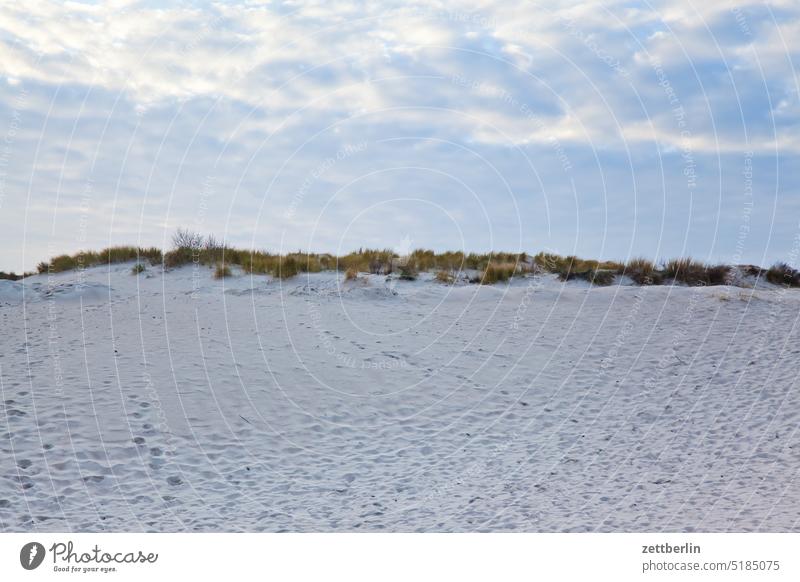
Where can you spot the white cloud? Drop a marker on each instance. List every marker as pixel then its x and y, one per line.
pixel 149 100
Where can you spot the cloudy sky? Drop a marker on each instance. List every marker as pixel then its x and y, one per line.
pixel 612 130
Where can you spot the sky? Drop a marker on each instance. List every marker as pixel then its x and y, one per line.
pixel 608 129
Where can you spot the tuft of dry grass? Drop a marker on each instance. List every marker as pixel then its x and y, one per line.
pixel 497 272
pixel 718 275
pixel 601 277
pixel 13 276
pixel 375 261
pixel 572 267
pixel 408 271
pixel 221 271
pixel 691 272
pixel 494 267
pixel 682 269
pixel 752 270
pixel 783 274
pixel 286 268
pixel 138 268
pixel 86 259
pixel 444 277
pixel 642 271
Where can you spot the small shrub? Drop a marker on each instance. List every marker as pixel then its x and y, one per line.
pixel 783 274
pixel 188 246
pixel 138 268
pixel 185 238
pixel 350 274
pixel 221 271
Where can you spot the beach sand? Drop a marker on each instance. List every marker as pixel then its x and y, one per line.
pixel 176 402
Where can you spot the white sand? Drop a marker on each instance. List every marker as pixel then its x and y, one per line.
pixel 134 403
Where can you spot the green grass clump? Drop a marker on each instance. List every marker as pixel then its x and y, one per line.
pixel 138 268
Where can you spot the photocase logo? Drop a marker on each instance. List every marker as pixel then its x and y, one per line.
pixel 31 555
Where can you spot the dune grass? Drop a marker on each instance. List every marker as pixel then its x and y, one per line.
pixel 642 271
pixel 783 274
pixel 490 268
pixel 567 268
pixel 86 259
pixel 13 276
pixel 445 277
pixel 408 271
pixel 599 277
pixel 496 272
pixel 221 271
pixel 287 268
pixel 691 272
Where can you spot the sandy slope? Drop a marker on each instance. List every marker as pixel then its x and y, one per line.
pixel 176 402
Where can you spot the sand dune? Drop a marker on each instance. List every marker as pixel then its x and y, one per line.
pixel 173 401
